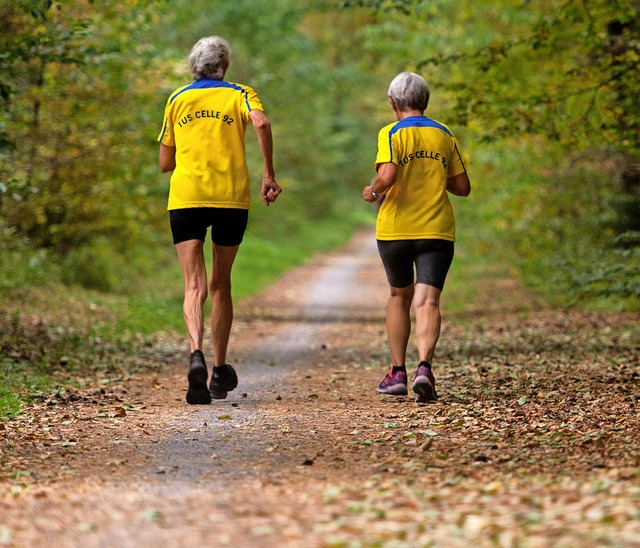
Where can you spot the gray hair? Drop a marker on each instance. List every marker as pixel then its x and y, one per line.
pixel 409 91
pixel 210 57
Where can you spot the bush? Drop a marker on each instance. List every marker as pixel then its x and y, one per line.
pixel 93 266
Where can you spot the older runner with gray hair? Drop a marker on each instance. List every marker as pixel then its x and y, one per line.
pixel 202 142
pixel 418 164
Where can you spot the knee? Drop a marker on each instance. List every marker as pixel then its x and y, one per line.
pixel 403 293
pixel 217 285
pixel 427 304
pixel 433 307
pixel 430 309
pixel 403 297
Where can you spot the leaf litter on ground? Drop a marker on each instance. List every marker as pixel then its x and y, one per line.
pixel 533 441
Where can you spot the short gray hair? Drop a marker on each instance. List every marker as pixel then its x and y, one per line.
pixel 210 57
pixel 409 91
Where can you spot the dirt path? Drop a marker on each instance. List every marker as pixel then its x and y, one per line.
pixel 534 441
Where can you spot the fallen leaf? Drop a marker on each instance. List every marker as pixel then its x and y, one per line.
pixel 426 445
pixel 151 515
pixel 120 412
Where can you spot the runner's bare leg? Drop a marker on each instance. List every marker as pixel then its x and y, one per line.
pixel 191 258
pixel 426 304
pixel 222 304
pixel 399 322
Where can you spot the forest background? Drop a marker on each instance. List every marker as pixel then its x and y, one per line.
pixel 542 95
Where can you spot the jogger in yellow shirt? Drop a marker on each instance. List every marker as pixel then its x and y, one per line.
pixel 418 164
pixel 203 143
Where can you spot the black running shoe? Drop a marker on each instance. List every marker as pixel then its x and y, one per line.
pixel 198 394
pixel 223 380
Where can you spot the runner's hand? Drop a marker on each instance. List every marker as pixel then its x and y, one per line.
pixel 270 190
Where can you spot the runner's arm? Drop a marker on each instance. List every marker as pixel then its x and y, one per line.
pixel 167 158
pixel 383 181
pixel 459 185
pixel 262 126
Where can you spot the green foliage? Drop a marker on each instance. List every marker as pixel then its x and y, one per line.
pixel 559 221
pixel 300 60
pixel 69 93
pixel 20 264
pixel 580 89
pixel 614 273
pixel 83 84
pixel 559 76
pixel 92 266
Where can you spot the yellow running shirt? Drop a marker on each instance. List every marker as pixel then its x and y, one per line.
pixel 206 122
pixel 417 206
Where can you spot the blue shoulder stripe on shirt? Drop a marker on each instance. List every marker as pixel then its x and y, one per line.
pixel 460 157
pixel 208 83
pixel 164 130
pixel 415 121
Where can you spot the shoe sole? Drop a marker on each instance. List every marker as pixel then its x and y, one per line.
pixel 218 394
pixel 198 393
pixel 219 391
pixel 395 390
pixel 424 390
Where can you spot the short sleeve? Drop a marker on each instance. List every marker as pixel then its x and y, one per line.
pixel 167 136
pixel 457 164
pixel 251 101
pixel 385 146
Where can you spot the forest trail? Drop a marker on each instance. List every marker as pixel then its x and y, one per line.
pixel 533 442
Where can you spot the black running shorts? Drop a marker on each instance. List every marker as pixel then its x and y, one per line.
pixel 227 225
pixel 431 258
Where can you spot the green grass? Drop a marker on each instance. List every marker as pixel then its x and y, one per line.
pixel 10 401
pixel 22 384
pixel 28 356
